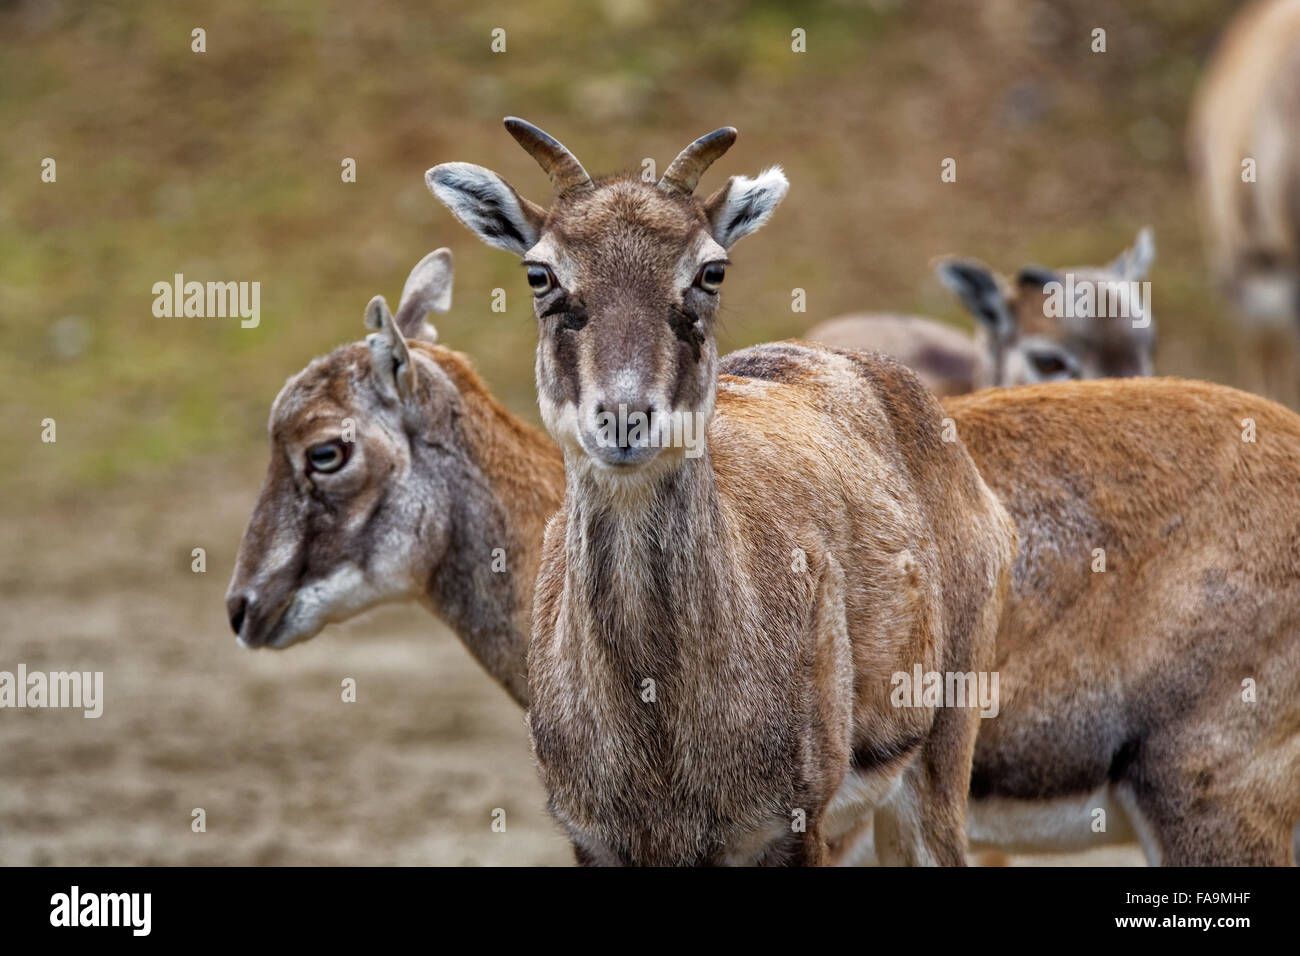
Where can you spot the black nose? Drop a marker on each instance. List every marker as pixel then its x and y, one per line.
pixel 236 607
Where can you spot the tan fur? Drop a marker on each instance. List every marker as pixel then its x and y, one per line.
pixel 1132 678
pixel 742 732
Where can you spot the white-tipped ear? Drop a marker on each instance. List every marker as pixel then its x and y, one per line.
pixel 743 205
pixel 488 205
pixel 388 352
pixel 1143 254
pixel 427 289
pixel 1133 264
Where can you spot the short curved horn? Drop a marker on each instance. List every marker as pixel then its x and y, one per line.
pixel 685 172
pixel 557 162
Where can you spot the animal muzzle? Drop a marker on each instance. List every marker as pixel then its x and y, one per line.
pixel 623 431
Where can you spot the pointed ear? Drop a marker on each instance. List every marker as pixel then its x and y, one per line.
pixel 488 205
pixel 1133 264
pixel 388 352
pixel 978 290
pixel 1035 277
pixel 744 205
pixel 427 289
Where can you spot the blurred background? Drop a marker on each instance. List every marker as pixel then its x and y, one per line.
pixel 225 165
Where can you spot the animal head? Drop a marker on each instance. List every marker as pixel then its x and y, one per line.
pixel 338 527
pixel 625 277
pixel 1061 324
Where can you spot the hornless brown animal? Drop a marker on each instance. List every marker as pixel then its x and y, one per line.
pixel 1247 114
pixel 1016 341
pixel 714 635
pixel 437 477
pixel 1127 688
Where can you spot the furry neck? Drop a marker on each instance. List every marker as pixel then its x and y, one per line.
pixel 646 557
pixel 508 482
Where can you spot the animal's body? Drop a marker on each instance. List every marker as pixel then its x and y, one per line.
pixel 1169 683
pixel 773 666
pixel 1024 333
pixel 715 635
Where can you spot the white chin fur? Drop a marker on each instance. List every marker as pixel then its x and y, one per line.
pixel 342 595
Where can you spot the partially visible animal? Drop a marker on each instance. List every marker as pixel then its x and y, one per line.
pixel 947 359
pixel 395 475
pixel 1159 671
pixel 1017 340
pixel 1244 151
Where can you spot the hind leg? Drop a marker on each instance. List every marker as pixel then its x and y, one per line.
pixel 1217 835
pixel 1235 814
pixel 923 823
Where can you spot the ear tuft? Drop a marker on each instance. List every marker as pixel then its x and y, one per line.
pixel 744 205
pixel 1133 264
pixel 427 289
pixel 389 356
pixel 487 205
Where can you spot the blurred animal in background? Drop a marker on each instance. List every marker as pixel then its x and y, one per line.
pixel 1244 151
pixel 1049 325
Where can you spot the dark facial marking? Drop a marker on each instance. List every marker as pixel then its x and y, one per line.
pixel 573 315
pixel 686 327
pixel 568 316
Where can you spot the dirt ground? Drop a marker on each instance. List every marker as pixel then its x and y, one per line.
pixel 286 772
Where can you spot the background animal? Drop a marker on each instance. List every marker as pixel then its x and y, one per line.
pixel 1244 150
pixel 1017 340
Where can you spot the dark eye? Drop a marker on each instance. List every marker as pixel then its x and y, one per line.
pixel 711 276
pixel 1050 364
pixel 328 456
pixel 540 280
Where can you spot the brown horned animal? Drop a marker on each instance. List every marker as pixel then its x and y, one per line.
pixel 411 500
pixel 718 624
pixel 1018 341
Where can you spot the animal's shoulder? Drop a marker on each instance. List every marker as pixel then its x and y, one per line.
pixel 837 419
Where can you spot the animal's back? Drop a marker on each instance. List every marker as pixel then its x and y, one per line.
pixel 947 360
